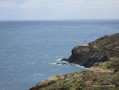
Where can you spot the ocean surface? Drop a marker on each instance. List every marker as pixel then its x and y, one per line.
pixel 29 50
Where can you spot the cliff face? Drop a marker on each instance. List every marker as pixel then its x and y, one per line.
pixel 98 51
pixel 87 56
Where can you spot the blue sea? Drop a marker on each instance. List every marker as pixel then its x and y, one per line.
pixel 29 50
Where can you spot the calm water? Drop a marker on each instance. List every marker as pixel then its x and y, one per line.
pixel 29 49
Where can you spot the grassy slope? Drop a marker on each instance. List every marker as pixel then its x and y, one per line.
pixel 108 43
pixel 106 73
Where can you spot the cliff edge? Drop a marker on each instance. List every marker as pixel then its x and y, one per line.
pixel 102 56
pixel 100 50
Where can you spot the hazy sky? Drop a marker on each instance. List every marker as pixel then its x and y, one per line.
pixel 58 9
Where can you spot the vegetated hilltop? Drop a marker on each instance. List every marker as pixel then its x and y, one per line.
pixel 107 42
pixel 102 56
pixel 98 51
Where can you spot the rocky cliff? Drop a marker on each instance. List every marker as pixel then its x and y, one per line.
pixel 102 55
pixel 98 51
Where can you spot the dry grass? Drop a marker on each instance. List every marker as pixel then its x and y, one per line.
pixel 95 78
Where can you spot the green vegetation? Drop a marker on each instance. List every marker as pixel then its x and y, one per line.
pixel 108 65
pixel 115 60
pixel 67 85
pixel 108 43
pixel 105 73
pixel 85 80
pixel 96 64
pixel 116 70
pixel 101 76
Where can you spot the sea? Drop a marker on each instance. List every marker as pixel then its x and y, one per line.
pixel 29 50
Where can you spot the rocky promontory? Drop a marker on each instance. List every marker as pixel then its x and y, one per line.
pixel 102 56
pixel 98 51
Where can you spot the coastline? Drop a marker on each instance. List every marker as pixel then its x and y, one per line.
pixel 102 68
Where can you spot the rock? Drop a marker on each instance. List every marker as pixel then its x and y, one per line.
pixel 97 51
pixel 64 59
pixel 62 63
pixel 86 56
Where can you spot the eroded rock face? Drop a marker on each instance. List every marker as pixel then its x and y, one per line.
pixel 64 59
pixel 99 50
pixel 87 56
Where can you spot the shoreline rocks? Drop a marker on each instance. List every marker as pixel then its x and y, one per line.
pixel 99 50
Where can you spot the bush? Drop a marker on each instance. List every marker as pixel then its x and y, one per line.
pixel 95 79
pixel 117 84
pixel 67 85
pixel 116 70
pixel 115 63
pixel 113 46
pixel 115 60
pixel 97 89
pixel 96 64
pixel 111 89
pixel 108 65
pixel 81 86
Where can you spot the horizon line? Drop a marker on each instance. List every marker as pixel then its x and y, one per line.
pixel 60 20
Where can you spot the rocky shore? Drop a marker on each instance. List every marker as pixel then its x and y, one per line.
pixel 102 59
pixel 98 51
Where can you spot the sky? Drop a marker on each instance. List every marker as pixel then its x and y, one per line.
pixel 58 9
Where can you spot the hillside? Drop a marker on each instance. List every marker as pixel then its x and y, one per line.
pixel 102 59
pixel 100 50
pixel 102 76
pixel 110 44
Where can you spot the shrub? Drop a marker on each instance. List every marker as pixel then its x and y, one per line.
pixel 96 64
pixel 116 70
pixel 81 86
pixel 115 63
pixel 108 65
pixel 111 89
pixel 67 85
pixel 117 84
pixel 78 88
pixel 115 60
pixel 113 45
pixel 97 89
pixel 95 79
